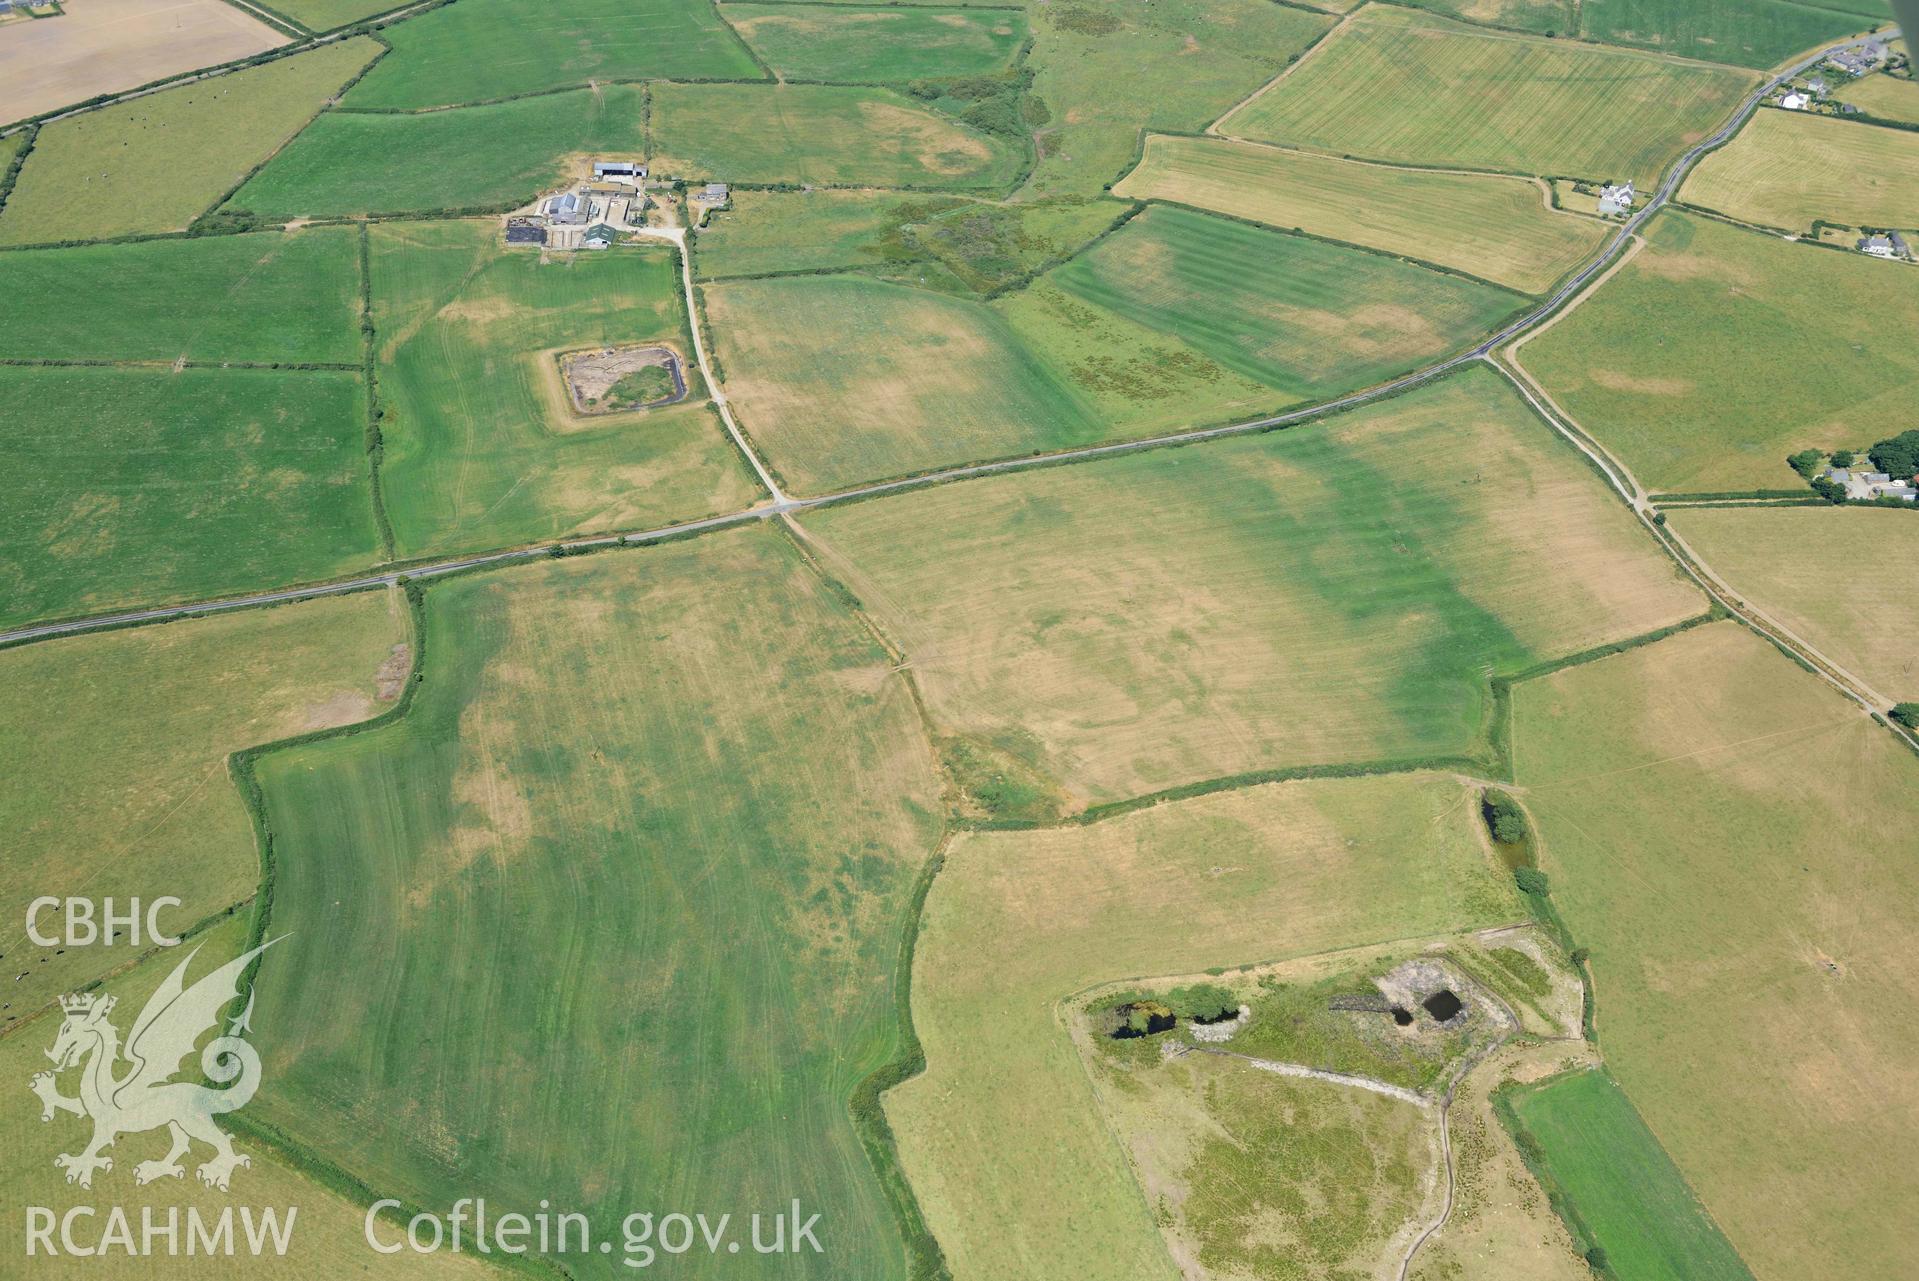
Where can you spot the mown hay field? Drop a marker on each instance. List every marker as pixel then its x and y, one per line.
pixel 482 448
pixel 821 134
pixel 1745 33
pixel 108 45
pixel 1394 84
pixel 1017 1172
pixel 1500 229
pixel 1732 841
pixel 264 298
pixel 157 163
pixel 889 45
pixel 484 50
pixel 1787 168
pixel 349 162
pixel 115 751
pixel 911 380
pixel 1309 319
pixel 1622 1184
pixel 634 869
pixel 1715 353
pixel 141 486
pixel 1272 601
pixel 1819 572
pixel 1887 97
pixel 328 1240
pixel 1108 68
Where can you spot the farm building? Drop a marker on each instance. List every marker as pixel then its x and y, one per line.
pixel 525 231
pixel 1869 485
pixel 1858 62
pixel 1878 246
pixel 599 236
pixel 715 193
pixel 1794 101
pixel 1616 199
pixel 568 209
pixel 618 169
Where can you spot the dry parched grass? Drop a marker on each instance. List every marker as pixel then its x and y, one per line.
pixel 1734 844
pixel 1332 594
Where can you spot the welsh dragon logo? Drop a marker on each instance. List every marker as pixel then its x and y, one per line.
pixel 141 1097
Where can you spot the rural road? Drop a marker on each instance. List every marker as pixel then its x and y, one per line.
pixel 781 503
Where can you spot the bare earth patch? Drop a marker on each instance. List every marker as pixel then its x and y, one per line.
pixel 608 380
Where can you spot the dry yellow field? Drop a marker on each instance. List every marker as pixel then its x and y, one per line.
pixel 102 46
pixel 1001 1136
pixel 1498 228
pixel 114 750
pixel 1334 593
pixel 1734 843
pixel 1820 572
pixel 1787 168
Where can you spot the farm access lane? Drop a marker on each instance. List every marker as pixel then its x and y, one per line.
pixel 781 503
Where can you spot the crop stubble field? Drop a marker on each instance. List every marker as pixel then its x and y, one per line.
pixel 1016 1171
pixel 1262 602
pixel 1403 86
pixel 684 798
pixel 102 46
pixel 1731 842
pixel 481 447
pixel 1498 228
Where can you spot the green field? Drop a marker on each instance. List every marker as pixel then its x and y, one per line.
pixel 1815 571
pixel 1542 17
pixel 1716 352
pixel 951 243
pixel 326 15
pixel 157 163
pixel 1732 841
pixel 1016 1170
pixel 1885 97
pixel 265 298
pixel 633 870
pixel 484 50
pixel 1787 168
pixel 482 448
pixel 821 134
pixel 1622 1184
pixel 1403 86
pixel 1746 33
pixel 1500 229
pixel 1106 69
pixel 138 486
pixel 1262 602
pixel 114 748
pixel 845 45
pixel 328 1240
pixel 1309 319
pixel 369 162
pixel 909 381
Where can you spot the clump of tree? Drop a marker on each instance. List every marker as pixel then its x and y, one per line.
pixel 1504 819
pixel 1531 880
pixel 1899 456
pixel 1907 714
pixel 1205 1002
pixel 1830 490
pixel 993 103
pixel 1807 462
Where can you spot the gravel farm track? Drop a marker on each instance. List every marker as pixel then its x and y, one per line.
pixel 780 504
